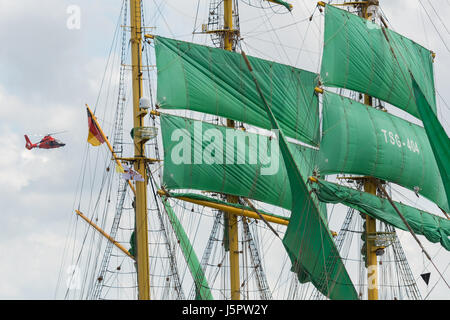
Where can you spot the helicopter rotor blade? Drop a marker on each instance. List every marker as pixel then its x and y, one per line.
pixel 48 134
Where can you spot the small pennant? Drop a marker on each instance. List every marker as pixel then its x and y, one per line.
pixel 426 277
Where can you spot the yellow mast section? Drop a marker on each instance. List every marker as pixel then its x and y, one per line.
pixel 141 221
pixel 232 218
pixel 370 186
pixel 103 233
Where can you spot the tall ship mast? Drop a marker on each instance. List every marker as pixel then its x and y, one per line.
pixel 239 162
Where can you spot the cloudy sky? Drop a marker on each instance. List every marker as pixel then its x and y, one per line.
pixel 49 70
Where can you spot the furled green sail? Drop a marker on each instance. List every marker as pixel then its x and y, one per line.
pixel 195 268
pixel 214 81
pixel 308 240
pixel 283 3
pixel 256 169
pixel 359 139
pixel 195 196
pixel 434 228
pixel 357 56
pixel 439 141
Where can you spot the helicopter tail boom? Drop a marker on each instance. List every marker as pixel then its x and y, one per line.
pixel 28 144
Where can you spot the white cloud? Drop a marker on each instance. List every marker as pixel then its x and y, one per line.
pixel 18 166
pixel 32 258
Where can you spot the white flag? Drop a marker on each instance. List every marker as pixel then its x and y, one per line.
pixel 130 174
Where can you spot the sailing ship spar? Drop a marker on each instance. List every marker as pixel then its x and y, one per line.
pixel 288 132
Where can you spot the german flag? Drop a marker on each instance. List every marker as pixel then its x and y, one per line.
pixel 95 137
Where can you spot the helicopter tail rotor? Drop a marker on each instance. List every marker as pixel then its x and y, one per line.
pixel 28 144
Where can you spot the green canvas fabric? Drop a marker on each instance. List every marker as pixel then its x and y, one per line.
pixel 434 228
pixel 132 249
pixel 283 3
pixel 201 283
pixel 214 81
pixel 240 178
pixel 359 139
pixel 358 57
pixel 307 240
pixel 439 141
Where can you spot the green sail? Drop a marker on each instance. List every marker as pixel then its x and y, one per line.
pixel 255 173
pixel 439 141
pixel 357 56
pixel 434 228
pixel 195 268
pixel 214 81
pixel 283 3
pixel 307 240
pixel 359 139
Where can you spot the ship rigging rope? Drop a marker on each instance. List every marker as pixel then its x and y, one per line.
pixel 276 8
pixel 431 20
pixel 158 8
pixel 115 36
pixel 88 229
pixel 105 182
pixel 195 21
pixel 105 112
pixel 408 200
pixel 80 179
pixel 412 232
pixel 267 21
pixel 425 32
pixel 440 19
pixel 252 34
pixel 257 31
pixel 436 282
pixel 89 205
pixel 428 261
pixel 443 41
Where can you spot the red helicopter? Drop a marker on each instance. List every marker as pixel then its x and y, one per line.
pixel 48 142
